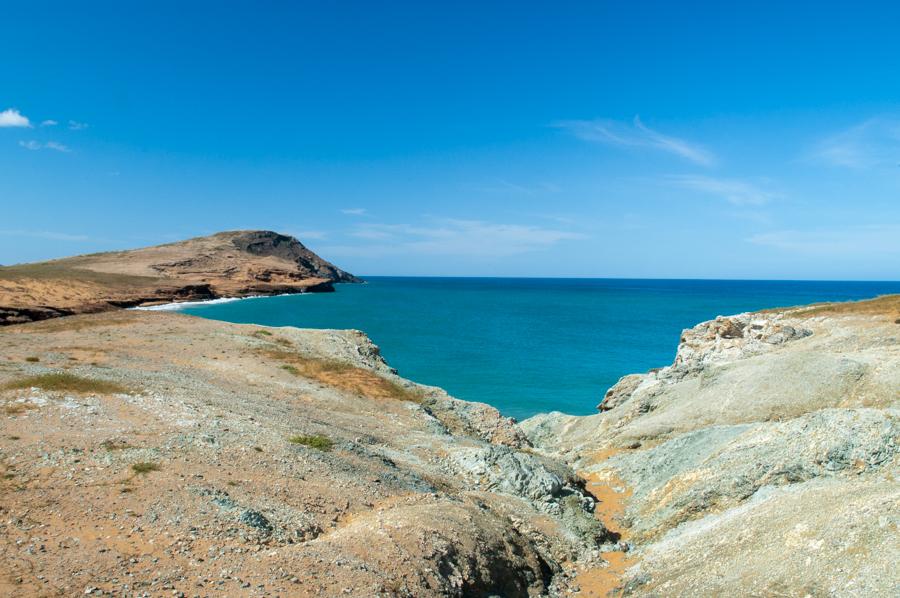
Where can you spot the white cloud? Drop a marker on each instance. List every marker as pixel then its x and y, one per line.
pixel 862 241
pixel 734 191
pixel 53 145
pixel 637 134
pixel 354 211
pixel 872 143
pixel 13 118
pixel 49 123
pixel 77 126
pixel 453 237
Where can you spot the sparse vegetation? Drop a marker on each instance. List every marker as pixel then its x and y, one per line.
pixel 115 445
pixel 886 305
pixel 345 376
pixel 17 408
pixel 257 449
pixel 32 359
pixel 316 441
pixel 144 467
pixel 64 382
pixel 262 333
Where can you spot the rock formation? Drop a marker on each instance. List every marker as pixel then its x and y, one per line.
pixel 230 264
pixel 763 461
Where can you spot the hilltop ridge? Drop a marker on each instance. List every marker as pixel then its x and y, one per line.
pixel 226 264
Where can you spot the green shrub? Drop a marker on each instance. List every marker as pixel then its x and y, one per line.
pixel 316 441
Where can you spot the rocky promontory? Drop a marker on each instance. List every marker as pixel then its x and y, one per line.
pixel 229 264
pixel 762 462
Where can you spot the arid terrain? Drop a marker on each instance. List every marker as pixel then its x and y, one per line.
pixel 763 462
pixel 156 454
pixel 229 264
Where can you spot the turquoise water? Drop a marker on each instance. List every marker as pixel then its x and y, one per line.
pixel 529 345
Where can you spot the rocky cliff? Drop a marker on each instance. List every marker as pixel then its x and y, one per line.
pixel 762 462
pixel 150 453
pixel 230 264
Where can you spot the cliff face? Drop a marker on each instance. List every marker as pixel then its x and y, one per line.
pixel 150 452
pixel 233 264
pixel 763 461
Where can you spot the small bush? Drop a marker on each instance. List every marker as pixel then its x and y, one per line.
pixel 291 369
pixel 316 441
pixel 262 333
pixel 144 467
pixel 115 445
pixel 32 359
pixel 64 382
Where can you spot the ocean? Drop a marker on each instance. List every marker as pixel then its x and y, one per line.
pixel 528 345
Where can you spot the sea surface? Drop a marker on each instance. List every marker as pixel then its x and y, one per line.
pixel 528 345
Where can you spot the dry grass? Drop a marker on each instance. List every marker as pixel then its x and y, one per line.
pixel 344 376
pixel 316 441
pixel 17 408
pixel 68 269
pixel 63 382
pixel 78 323
pixel 144 467
pixel 886 305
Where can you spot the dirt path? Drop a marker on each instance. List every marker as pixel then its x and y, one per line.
pixel 612 495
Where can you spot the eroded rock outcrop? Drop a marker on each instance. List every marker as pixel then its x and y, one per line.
pixel 763 461
pixel 205 457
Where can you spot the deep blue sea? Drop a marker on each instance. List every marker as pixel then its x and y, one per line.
pixel 529 345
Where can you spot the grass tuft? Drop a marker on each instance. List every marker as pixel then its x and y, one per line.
pixel 316 441
pixel 144 467
pixel 64 382
pixel 347 377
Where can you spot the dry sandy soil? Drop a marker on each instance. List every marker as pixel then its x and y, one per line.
pixel 149 453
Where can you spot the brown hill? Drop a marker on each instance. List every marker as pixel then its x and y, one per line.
pixel 228 264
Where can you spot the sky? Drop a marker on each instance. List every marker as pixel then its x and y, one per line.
pixel 600 139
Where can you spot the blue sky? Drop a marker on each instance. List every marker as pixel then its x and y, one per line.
pixel 614 139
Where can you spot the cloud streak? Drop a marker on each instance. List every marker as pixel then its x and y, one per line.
pixel 354 211
pixel 637 134
pixel 13 118
pixel 51 145
pixel 453 237
pixel 855 240
pixel 870 144
pixel 734 191
pixel 54 236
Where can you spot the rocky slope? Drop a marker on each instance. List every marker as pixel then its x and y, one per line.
pixel 150 453
pixel 762 462
pixel 232 264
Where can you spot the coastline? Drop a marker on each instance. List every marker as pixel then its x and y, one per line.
pixel 179 305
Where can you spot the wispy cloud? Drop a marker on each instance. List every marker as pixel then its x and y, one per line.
pixel 305 235
pixel 499 185
pixel 52 145
pixel 77 126
pixel 850 241
pixel 734 191
pixel 49 123
pixel 54 236
pixel 453 237
pixel 354 211
pixel 872 143
pixel 13 118
pixel 637 134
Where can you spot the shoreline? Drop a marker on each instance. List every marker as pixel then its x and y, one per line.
pixel 179 305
